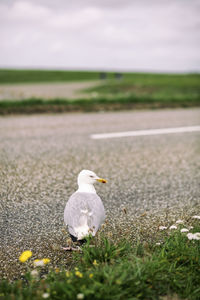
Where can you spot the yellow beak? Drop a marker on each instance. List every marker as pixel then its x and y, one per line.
pixel 101 180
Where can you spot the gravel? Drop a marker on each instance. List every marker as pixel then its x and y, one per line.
pixel 152 180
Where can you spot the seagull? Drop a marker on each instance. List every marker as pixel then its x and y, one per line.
pixel 84 212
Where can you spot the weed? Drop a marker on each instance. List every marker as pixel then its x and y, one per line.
pixel 107 270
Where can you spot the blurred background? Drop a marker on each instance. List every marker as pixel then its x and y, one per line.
pixel 134 35
pixel 103 51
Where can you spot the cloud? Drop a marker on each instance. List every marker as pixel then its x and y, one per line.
pixel 140 34
pixel 29 11
pixel 75 19
pixel 23 10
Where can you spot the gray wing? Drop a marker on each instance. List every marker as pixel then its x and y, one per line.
pixel 84 208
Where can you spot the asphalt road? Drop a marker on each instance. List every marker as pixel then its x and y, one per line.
pixel 156 177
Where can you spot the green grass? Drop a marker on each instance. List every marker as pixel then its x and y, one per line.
pixel 134 91
pixel 102 103
pixel 151 88
pixel 37 76
pixel 136 79
pixel 115 271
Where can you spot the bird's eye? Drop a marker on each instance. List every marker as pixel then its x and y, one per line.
pixel 91 176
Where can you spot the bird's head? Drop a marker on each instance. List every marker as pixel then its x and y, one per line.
pixel 89 177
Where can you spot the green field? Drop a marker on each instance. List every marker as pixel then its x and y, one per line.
pixel 138 79
pixel 119 271
pixel 132 91
pixel 36 76
pixel 153 88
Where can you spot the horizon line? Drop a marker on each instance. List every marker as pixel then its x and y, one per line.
pixel 40 68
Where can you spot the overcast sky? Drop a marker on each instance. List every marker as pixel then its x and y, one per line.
pixel 136 35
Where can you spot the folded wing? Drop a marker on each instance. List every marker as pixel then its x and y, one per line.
pixel 84 213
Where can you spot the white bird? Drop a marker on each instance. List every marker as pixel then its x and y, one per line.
pixel 84 212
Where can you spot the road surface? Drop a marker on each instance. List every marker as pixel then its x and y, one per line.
pixel 155 176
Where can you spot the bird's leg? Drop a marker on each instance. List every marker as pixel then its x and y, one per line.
pixel 67 248
pixel 72 248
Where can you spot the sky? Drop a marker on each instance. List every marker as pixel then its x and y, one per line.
pixel 132 35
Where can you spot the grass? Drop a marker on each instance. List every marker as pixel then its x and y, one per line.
pixel 147 79
pixel 40 76
pixel 183 90
pixel 110 270
pixel 102 103
pixel 133 91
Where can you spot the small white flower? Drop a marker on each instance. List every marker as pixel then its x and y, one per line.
pixel 162 227
pixel 45 295
pixel 193 236
pixel 173 227
pixel 184 230
pixel 197 235
pixel 190 236
pixel 196 217
pixel 158 244
pixel 80 296
pixel 34 273
pixel 179 222
pixel 39 263
pixel 191 227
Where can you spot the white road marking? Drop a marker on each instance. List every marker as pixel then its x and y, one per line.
pixel 145 132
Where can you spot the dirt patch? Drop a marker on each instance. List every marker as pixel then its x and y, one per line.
pixel 72 90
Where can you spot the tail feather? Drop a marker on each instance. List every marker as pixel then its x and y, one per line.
pixel 82 231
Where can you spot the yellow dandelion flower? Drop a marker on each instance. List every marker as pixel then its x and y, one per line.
pixel 57 270
pixel 95 263
pixel 67 274
pixel 25 255
pixel 91 275
pixel 78 274
pixel 118 281
pixel 46 260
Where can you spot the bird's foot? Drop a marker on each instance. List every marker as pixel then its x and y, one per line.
pixel 69 248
